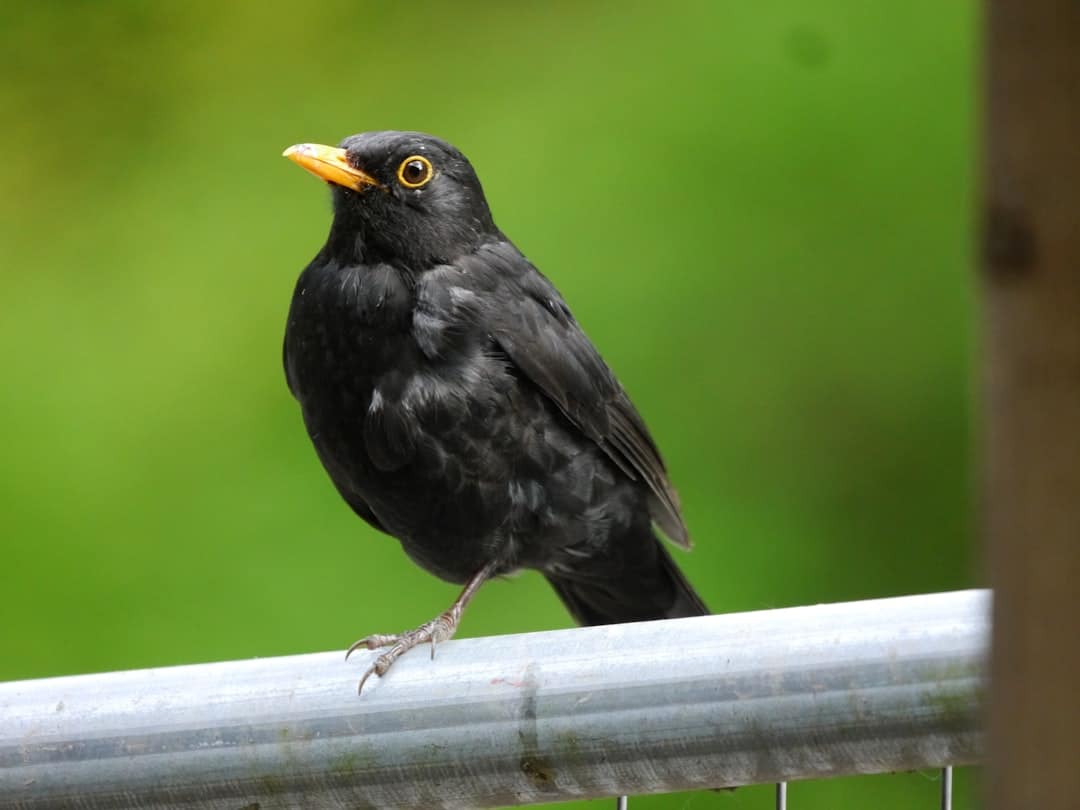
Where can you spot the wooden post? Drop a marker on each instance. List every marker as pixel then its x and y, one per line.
pixel 1031 487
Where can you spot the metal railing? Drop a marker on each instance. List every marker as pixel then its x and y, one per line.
pixel 855 688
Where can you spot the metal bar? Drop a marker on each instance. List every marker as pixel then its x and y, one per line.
pixel 781 796
pixel 946 788
pixel 862 687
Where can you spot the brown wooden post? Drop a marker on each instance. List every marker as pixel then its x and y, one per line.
pixel 1031 487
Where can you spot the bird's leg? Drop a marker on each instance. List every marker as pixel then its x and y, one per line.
pixel 441 628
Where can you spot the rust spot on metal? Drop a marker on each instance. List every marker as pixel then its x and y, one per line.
pixel 538 771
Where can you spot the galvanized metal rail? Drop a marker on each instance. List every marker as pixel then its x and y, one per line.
pixel 856 688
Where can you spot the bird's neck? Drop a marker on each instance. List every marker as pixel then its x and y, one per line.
pixel 349 246
pixel 345 245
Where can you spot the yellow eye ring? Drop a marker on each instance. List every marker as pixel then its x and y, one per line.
pixel 415 172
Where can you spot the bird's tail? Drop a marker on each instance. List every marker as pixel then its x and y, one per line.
pixel 652 587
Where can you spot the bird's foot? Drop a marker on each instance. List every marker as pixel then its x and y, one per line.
pixel 439 629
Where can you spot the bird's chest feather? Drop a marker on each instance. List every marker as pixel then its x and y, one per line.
pixel 345 327
pixel 401 392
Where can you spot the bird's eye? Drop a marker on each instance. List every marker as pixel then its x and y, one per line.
pixel 415 172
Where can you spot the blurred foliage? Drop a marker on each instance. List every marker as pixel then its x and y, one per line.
pixel 760 213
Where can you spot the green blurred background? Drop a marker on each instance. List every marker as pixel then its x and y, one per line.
pixel 761 213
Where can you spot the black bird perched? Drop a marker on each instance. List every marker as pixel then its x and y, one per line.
pixel 458 406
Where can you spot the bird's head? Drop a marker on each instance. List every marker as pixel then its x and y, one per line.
pixel 403 198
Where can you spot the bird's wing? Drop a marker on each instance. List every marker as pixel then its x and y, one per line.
pixel 533 325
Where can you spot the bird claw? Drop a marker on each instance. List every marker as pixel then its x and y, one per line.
pixel 441 628
pixel 373 642
pixel 438 629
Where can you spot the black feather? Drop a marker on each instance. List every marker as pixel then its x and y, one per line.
pixel 458 406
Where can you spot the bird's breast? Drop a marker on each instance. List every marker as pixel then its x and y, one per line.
pixel 388 375
pixel 344 325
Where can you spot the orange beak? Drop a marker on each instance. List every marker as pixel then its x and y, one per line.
pixel 329 163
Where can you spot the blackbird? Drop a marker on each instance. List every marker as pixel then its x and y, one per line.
pixel 458 406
